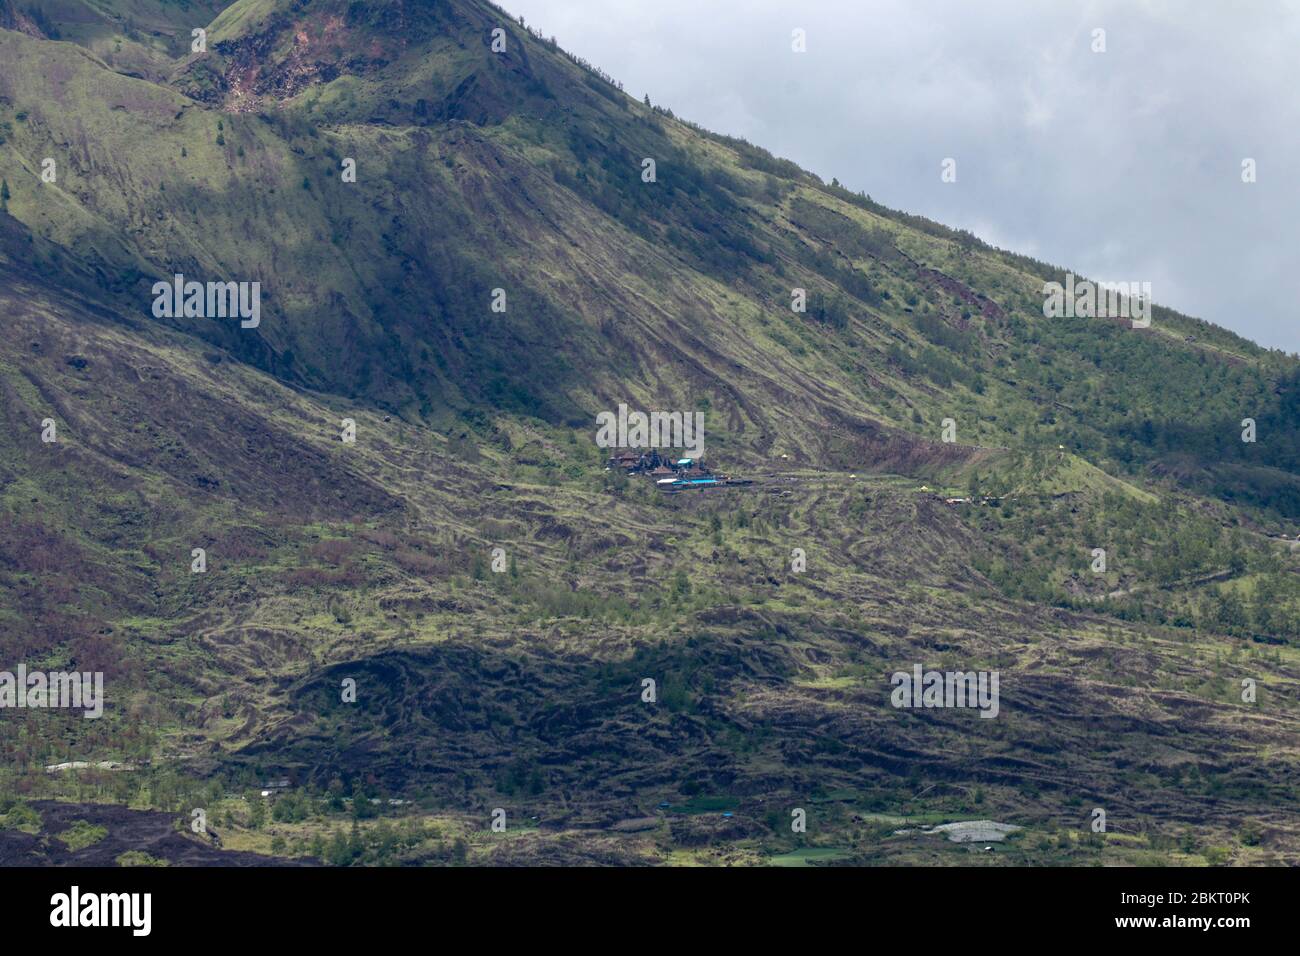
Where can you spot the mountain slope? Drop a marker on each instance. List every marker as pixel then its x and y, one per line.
pixel 668 294
pixel 520 685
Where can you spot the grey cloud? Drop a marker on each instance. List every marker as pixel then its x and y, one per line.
pixel 1122 165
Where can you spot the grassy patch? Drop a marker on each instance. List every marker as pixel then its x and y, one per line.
pixel 139 858
pixel 82 834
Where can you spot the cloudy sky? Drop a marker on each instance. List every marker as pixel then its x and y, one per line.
pixel 1121 165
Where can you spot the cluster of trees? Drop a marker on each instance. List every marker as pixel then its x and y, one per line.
pixel 932 364
pixel 940 333
pixel 1177 568
pixel 382 845
pixel 1271 612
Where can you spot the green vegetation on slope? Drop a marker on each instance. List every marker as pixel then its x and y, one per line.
pixel 372 562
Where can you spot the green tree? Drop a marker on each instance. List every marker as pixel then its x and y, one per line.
pixel 1230 614
pixel 681 585
pixel 338 853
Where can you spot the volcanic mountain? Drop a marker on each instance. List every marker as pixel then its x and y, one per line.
pixel 369 544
